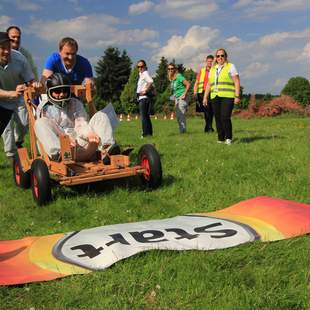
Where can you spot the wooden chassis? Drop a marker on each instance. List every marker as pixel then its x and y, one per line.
pixel 68 171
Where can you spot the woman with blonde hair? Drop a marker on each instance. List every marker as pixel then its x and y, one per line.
pixel 180 87
pixel 224 89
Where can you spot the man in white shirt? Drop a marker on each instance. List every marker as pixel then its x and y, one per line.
pixel 145 83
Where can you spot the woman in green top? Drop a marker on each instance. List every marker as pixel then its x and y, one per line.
pixel 180 87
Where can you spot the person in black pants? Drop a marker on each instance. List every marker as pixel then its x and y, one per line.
pixel 224 90
pixel 144 85
pixel 199 89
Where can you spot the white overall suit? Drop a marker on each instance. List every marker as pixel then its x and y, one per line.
pixel 72 120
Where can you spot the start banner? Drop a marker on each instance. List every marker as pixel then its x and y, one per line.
pixel 49 257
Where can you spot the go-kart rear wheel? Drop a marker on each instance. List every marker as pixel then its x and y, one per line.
pixel 150 160
pixel 21 178
pixel 40 182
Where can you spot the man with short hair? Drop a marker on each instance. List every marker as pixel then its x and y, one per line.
pixel 68 62
pixel 199 89
pixel 76 67
pixel 14 73
pixel 15 131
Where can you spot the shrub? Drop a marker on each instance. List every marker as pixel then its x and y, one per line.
pixel 277 106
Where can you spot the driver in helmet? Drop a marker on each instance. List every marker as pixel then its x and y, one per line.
pixel 65 114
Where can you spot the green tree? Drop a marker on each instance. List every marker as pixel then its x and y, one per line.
pixel 129 96
pixel 161 80
pixel 28 56
pixel 298 88
pixel 161 83
pixel 113 70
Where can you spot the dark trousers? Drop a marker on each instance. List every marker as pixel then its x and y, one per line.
pixel 222 108
pixel 207 111
pixel 5 117
pixel 145 110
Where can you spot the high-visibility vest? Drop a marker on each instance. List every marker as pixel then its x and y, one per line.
pixel 224 85
pixel 203 80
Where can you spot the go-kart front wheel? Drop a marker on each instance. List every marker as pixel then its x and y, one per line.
pixel 21 178
pixel 40 182
pixel 149 159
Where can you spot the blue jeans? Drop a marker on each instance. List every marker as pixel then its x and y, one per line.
pixel 145 110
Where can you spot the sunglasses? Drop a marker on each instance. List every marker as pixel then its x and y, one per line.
pixel 170 69
pixel 139 67
pixel 220 55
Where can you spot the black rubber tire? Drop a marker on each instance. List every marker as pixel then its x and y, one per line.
pixel 21 178
pixel 149 159
pixel 40 182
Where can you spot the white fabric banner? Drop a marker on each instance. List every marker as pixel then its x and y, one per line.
pixel 100 247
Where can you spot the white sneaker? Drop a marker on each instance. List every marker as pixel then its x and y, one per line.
pixel 228 141
pixel 220 141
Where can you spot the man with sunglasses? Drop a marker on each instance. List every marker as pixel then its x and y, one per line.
pixel 224 89
pixel 145 82
pixel 15 72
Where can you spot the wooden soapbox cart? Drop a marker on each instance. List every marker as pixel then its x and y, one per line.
pixel 36 170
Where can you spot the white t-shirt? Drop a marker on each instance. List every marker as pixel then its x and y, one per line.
pixel 144 79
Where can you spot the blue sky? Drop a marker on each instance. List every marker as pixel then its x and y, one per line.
pixel 267 40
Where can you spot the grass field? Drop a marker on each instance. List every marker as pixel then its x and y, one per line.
pixel 268 157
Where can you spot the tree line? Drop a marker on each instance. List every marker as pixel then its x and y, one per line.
pixel 116 82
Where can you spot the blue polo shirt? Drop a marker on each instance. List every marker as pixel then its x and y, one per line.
pixel 81 70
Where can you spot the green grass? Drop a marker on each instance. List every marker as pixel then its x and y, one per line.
pixel 268 157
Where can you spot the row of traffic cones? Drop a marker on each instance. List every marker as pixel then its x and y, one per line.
pixel 129 118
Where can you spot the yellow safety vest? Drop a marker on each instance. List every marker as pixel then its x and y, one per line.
pixel 224 85
pixel 201 81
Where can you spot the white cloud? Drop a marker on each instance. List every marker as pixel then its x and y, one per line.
pixel 190 49
pixel 5 22
pixel 190 9
pixel 90 31
pixel 279 37
pixel 27 5
pixel 140 8
pixel 267 7
pixel 255 69
pixel 233 40
pixel 152 45
pixel 242 3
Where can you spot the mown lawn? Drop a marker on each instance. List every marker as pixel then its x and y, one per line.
pixel 269 157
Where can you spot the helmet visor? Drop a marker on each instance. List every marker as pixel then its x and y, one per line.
pixel 60 94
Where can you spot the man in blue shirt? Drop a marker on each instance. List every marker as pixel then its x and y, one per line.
pixel 68 62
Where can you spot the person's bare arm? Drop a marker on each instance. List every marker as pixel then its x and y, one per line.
pixel 236 80
pixel 12 94
pixel 187 85
pixel 45 74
